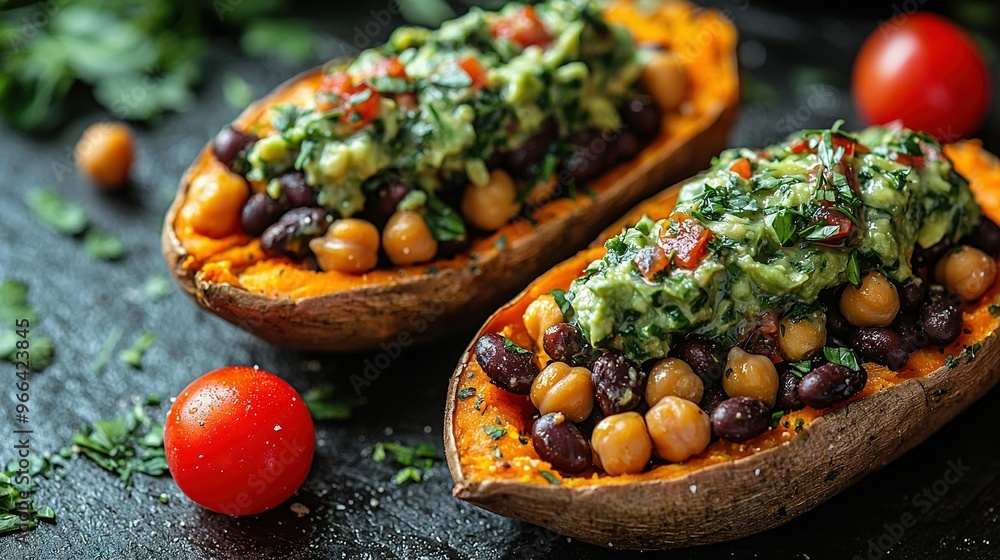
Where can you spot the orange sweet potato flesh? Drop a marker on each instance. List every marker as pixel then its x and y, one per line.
pixel 476 450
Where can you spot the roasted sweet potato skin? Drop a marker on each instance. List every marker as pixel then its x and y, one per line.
pixel 288 304
pixel 730 490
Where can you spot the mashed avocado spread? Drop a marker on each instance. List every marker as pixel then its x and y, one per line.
pixel 430 108
pixel 770 229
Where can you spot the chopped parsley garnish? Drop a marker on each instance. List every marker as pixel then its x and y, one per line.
pixel 63 217
pixel 511 346
pixel 842 357
pixel 103 246
pixel 415 462
pixel 776 417
pixel 133 356
pixel 800 368
pixel 466 393
pixel 324 404
pixel 106 349
pixel 495 432
pixel 125 445
pixel 14 307
pixel 445 224
pixel 550 477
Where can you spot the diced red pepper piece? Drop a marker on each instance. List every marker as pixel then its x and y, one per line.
pixel 471 66
pixel 390 67
pixel 690 245
pixel 338 91
pixel 742 168
pixel 523 28
pixel 650 261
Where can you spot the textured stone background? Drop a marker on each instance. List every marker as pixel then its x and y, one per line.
pixel 797 72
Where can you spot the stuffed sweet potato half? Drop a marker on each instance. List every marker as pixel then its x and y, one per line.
pixel 751 343
pixel 409 189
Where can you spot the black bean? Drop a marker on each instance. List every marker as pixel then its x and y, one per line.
pixel 913 335
pixel 290 236
pixel 559 442
pixel 626 146
pixel 882 346
pixel 985 237
pixel 591 157
pixel 699 353
pixel 508 366
pixel 740 419
pixel 619 382
pixel 564 342
pixel 295 189
pixel 642 117
pixel 788 387
pixel 259 213
pixel 531 152
pixel 712 398
pixel 231 145
pixel 941 318
pixel 379 208
pixel 830 384
pixel 930 255
pixel 911 295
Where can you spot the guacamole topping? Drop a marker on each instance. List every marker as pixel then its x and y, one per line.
pixel 769 230
pixel 431 108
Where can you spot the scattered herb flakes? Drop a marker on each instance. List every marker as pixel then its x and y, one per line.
pixel 550 477
pixel 800 368
pixel 466 393
pixel 154 288
pixel 995 310
pixel 842 356
pixel 776 418
pixel 237 92
pixel 103 246
pixel 105 353
pixel 501 242
pixel 14 307
pixel 831 476
pixel 415 462
pixel 496 452
pixel 324 404
pixel 853 270
pixel 431 270
pixel 62 216
pixel 523 440
pixel 495 432
pixel 479 404
pixel 799 424
pixel 511 346
pixel 133 356
pixel 124 445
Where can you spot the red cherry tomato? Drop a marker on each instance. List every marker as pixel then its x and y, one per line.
pixel 239 441
pixel 474 70
pixel 523 28
pixel 925 71
pixel 690 245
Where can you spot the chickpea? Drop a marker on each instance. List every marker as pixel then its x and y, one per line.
pixel 492 205
pixel 801 339
pixel 664 78
pixel 673 377
pixel 104 154
pixel 679 428
pixel 563 388
pixel 349 246
pixel 215 203
pixel 967 271
pixel 541 314
pixel 750 375
pixel 407 239
pixel 621 444
pixel 874 304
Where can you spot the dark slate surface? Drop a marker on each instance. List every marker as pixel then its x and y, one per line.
pixel 797 77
